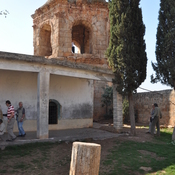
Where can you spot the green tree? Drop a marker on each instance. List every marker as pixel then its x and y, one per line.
pixel 125 110
pixel 165 46
pixel 4 12
pixel 126 52
pixel 107 99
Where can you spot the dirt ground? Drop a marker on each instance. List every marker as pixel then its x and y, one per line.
pixel 106 145
pixel 60 155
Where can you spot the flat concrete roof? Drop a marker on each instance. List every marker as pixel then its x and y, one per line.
pixel 52 61
pixel 29 63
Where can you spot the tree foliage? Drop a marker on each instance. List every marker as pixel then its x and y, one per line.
pixel 165 45
pixel 125 110
pixel 126 52
pixel 107 98
pixel 4 12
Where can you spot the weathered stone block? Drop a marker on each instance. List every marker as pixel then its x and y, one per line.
pixel 85 159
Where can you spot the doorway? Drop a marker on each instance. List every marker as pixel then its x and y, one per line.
pixel 54 111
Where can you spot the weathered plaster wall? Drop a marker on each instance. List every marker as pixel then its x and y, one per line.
pixel 166 101
pixel 19 86
pixel 75 96
pixel 22 72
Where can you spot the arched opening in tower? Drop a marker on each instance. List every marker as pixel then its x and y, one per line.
pixel 81 38
pixel 45 41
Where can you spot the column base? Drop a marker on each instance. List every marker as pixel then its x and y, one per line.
pixel 43 136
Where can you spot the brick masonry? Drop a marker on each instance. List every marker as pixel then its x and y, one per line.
pixel 58 23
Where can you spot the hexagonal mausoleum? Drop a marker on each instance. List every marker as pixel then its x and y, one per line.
pixel 59 23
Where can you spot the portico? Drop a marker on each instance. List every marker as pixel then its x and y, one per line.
pixel 70 84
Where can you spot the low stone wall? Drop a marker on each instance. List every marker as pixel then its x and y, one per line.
pixel 165 100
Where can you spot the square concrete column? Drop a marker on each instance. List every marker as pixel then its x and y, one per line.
pixel 117 110
pixel 43 104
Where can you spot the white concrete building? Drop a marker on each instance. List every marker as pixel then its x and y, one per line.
pixel 56 94
pixel 56 86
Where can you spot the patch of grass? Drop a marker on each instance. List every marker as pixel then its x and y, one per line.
pixel 166 135
pixel 24 150
pixel 20 152
pixel 39 164
pixel 20 166
pixel 128 156
pixel 142 127
pixel 2 171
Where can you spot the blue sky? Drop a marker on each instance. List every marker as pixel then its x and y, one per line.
pixel 16 32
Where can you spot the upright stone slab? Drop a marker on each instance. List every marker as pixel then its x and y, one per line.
pixel 43 104
pixel 85 159
pixel 117 110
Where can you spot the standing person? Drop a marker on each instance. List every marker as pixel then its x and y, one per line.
pixel 2 129
pixel 156 119
pixel 11 121
pixel 150 120
pixel 20 119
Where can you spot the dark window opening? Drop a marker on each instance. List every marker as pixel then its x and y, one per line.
pixel 53 113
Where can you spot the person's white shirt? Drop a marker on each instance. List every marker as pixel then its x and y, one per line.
pixel 2 128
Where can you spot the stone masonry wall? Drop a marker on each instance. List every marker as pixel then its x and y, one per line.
pixel 165 100
pixel 65 19
pixel 82 22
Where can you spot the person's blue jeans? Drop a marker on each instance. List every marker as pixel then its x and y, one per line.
pixel 20 128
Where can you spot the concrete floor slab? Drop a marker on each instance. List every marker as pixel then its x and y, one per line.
pixel 62 135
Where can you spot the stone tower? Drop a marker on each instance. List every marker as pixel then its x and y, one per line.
pixel 59 23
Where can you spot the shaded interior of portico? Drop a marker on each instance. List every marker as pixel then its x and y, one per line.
pixel 27 94
pixel 36 80
pixel 66 99
pixel 19 86
pixel 72 94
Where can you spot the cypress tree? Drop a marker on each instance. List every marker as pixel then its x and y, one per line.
pixel 126 52
pixel 165 47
